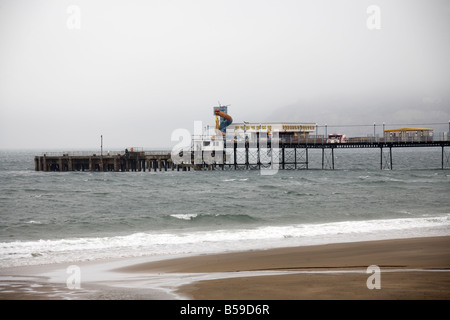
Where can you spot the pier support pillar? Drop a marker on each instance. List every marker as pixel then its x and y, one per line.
pixel 387 158
pixel 70 164
pixel 332 157
pixel 295 158
pixel 258 156
pixel 445 159
pixel 246 156
pixel 381 158
pixel 323 158
pixel 326 161
pixel 235 156
pixel 115 164
pixel 390 156
pixel 306 156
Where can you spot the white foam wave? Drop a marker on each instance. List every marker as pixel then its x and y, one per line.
pixel 197 242
pixel 33 222
pixel 186 216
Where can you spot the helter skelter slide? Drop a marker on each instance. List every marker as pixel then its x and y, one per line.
pixel 223 119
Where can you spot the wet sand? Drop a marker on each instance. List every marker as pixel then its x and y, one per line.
pixel 417 268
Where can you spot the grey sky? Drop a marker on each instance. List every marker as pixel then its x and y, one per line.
pixel 137 70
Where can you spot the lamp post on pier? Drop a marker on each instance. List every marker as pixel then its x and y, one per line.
pixel 374 132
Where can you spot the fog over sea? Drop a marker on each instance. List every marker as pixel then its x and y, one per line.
pixel 53 217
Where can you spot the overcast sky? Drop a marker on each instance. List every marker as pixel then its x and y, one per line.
pixel 134 71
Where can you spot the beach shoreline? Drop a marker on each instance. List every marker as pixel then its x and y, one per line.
pixel 413 268
pixel 408 269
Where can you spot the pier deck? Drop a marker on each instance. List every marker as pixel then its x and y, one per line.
pixel 123 161
pixel 235 155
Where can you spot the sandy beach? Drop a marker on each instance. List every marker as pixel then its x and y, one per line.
pixel 417 268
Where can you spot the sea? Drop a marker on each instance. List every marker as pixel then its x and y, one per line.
pixel 64 217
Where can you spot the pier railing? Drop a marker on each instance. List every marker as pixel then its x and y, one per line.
pixel 321 140
pixel 80 153
pixel 97 153
pixel 157 152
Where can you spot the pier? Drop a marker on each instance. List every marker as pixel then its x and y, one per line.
pixel 246 146
pixel 284 154
pixel 113 161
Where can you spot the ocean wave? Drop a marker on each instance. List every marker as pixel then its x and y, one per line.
pixel 182 242
pixel 217 217
pixel 33 222
pixel 184 216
